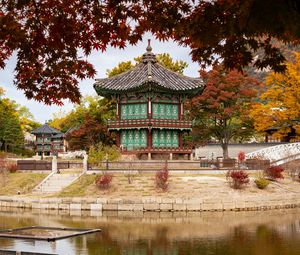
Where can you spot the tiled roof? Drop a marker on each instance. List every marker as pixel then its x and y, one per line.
pixel 149 71
pixel 45 129
pixel 59 135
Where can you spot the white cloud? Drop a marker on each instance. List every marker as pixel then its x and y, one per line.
pixel 101 62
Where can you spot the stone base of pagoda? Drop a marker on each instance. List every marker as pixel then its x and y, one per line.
pixel 161 153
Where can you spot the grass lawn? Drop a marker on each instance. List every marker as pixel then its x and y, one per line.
pixel 78 188
pixel 11 183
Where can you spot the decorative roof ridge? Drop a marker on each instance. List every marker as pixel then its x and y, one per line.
pixel 149 56
pixel 179 74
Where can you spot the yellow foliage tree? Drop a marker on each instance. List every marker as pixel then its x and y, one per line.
pixel 279 106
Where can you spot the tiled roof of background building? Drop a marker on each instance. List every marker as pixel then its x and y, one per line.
pixel 45 129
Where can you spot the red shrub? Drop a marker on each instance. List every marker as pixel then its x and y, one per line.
pixel 12 168
pixel 241 156
pixel 104 181
pixel 274 172
pixel 161 178
pixel 237 178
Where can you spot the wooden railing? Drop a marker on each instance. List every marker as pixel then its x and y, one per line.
pixel 159 149
pixel 116 124
pixel 146 165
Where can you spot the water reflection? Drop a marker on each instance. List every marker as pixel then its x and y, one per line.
pixel 231 233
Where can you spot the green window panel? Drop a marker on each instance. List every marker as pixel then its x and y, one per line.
pixel 164 111
pixel 164 138
pixel 134 138
pixel 133 111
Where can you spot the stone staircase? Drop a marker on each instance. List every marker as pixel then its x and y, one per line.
pixel 55 183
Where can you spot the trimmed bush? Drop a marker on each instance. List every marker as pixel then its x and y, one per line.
pixel 262 183
pixel 274 172
pixel 103 181
pixel 237 178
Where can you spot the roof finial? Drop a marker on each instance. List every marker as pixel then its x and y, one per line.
pixel 149 49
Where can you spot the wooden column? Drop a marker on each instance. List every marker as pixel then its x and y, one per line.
pixel 149 138
pixel 118 138
pixel 180 139
pixel 181 110
pixel 118 108
pixel 149 108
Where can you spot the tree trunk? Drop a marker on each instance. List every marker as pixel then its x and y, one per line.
pixel 225 150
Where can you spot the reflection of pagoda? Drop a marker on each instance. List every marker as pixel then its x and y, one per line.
pixel 150 108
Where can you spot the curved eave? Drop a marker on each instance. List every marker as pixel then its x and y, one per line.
pixel 145 86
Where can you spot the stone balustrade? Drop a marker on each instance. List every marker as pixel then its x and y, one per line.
pixel 278 154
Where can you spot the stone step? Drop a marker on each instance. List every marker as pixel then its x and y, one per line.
pixel 56 183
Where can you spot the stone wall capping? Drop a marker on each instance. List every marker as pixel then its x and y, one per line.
pixel 77 200
pixel 179 207
pixel 151 207
pixel 114 201
pixel 76 206
pixel 166 207
pixel 96 207
pixel 110 207
pixel 125 207
pixel 211 201
pixel 168 200
pixel 193 207
pixel 101 200
pixel 64 207
pixel 53 206
pixel 151 200
pixel 154 204
pixel 138 207
pixel 193 201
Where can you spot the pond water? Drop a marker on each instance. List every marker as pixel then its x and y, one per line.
pixel 208 233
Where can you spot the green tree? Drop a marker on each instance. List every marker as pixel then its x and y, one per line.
pixel 100 152
pixel 96 107
pixel 164 59
pixel 86 124
pixel 13 136
pixel 14 121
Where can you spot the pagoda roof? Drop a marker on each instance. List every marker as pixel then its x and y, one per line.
pixel 59 135
pixel 148 74
pixel 45 129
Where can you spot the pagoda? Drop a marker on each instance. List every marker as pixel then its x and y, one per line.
pixel 49 141
pixel 150 109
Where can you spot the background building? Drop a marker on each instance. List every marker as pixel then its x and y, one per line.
pixel 49 141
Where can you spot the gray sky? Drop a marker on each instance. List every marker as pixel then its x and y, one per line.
pixel 101 62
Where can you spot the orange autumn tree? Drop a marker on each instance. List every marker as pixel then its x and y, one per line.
pixel 280 103
pixel 221 111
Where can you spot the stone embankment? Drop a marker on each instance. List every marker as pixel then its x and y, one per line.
pixel 153 203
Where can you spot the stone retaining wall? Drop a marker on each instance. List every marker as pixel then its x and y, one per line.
pixel 152 204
